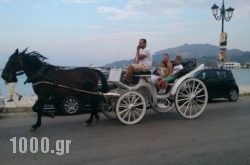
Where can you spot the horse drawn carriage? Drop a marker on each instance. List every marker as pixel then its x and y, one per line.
pixel 127 103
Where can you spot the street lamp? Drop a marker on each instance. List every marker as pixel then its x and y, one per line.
pixel 224 15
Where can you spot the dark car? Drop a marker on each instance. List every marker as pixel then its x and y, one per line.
pixel 220 83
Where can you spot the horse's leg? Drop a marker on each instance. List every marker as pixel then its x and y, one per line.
pixel 94 111
pixel 38 107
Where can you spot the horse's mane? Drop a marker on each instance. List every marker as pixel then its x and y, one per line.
pixel 34 58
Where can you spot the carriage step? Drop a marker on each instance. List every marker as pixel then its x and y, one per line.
pixel 162 92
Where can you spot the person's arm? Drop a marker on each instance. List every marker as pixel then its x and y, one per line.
pixel 138 54
pixel 169 69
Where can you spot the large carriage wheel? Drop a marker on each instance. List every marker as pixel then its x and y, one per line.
pixel 108 110
pixel 191 98
pixel 130 107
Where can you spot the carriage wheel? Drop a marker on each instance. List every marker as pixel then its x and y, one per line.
pixel 191 98
pixel 163 105
pixel 70 105
pixel 108 110
pixel 130 107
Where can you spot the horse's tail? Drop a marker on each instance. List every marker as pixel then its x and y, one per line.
pixel 103 80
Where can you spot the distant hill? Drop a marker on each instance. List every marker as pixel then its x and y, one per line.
pixel 204 53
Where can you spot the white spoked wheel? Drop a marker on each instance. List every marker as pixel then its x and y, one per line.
pixel 191 98
pixel 108 110
pixel 130 107
pixel 163 105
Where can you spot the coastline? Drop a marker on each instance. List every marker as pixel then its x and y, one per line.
pixel 26 103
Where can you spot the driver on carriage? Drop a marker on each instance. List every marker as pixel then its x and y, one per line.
pixel 143 61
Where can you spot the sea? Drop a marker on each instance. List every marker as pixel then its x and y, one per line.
pixel 242 77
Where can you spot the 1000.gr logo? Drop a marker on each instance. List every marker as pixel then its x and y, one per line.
pixel 61 145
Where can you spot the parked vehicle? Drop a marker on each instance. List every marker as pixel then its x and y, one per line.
pixel 220 83
pixel 69 105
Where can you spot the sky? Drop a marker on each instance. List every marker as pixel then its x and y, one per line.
pixel 84 32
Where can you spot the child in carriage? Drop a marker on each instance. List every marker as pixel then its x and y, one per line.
pixel 164 83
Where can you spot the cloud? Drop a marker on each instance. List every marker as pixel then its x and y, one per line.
pixel 116 13
pixel 242 9
pixel 5 1
pixel 80 1
pixel 134 9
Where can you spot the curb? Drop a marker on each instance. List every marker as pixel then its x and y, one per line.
pixel 17 110
pixel 244 94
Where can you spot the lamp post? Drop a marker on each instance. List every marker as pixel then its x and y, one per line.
pixel 224 15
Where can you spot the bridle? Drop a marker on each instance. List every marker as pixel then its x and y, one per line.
pixel 20 60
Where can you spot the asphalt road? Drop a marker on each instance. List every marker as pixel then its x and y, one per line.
pixel 220 136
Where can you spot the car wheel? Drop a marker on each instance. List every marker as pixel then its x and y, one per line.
pixel 70 105
pixel 233 95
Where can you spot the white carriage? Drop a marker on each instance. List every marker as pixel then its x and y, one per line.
pixel 129 103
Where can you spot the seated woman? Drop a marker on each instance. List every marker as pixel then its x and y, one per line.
pixel 164 83
pixel 165 69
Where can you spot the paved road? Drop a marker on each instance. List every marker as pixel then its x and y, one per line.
pixel 220 136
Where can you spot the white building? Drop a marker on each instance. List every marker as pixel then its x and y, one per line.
pixel 231 65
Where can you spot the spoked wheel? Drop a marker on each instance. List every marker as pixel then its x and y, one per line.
pixel 108 110
pixel 191 98
pixel 130 107
pixel 163 105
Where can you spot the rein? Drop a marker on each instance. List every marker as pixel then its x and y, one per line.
pixel 63 86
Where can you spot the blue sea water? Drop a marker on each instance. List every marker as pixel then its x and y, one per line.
pixel 242 77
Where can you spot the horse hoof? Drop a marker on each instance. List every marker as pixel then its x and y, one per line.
pixel 32 129
pixel 97 118
pixel 51 115
pixel 87 123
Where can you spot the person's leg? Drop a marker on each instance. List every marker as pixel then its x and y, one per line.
pixel 157 84
pixel 15 92
pixel 133 68
pixel 129 73
pixel 11 89
pixel 162 84
pixel 166 85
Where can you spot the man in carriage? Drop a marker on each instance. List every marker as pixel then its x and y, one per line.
pixel 143 61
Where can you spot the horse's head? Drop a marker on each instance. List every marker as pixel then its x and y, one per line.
pixel 13 65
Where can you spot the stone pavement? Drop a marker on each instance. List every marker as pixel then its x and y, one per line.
pixel 26 103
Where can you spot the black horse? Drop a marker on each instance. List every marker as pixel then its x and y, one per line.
pixel 49 80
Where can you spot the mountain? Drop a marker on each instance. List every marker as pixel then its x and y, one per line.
pixel 204 53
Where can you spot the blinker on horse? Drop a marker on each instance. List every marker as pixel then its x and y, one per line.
pixel 49 80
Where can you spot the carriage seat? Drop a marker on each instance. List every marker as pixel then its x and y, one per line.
pixel 138 75
pixel 141 74
pixel 188 65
